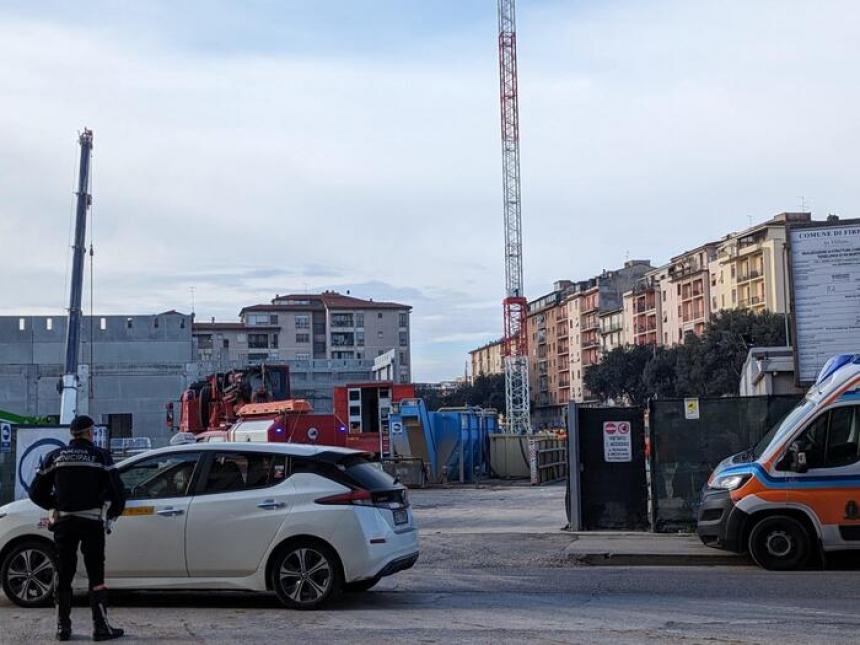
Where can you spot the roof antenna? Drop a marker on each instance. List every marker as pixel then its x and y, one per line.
pixel 191 289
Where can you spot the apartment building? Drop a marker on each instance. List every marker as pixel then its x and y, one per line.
pixel 487 360
pixel 688 293
pixel 549 347
pixel 569 329
pixel 643 309
pixel 750 269
pixel 311 327
pixel 613 332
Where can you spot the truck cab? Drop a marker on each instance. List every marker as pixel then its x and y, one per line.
pixel 798 490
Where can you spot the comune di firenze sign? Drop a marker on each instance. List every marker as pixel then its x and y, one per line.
pixel 825 293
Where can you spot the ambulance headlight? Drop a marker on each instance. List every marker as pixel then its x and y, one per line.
pixel 731 482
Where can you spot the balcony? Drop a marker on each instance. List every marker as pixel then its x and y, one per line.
pixel 641 306
pixel 589 323
pixel 611 328
pixel 590 342
pixel 750 275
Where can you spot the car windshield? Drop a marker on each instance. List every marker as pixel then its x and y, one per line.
pixel 779 430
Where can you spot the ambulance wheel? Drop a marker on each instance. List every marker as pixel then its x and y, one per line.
pixel 779 543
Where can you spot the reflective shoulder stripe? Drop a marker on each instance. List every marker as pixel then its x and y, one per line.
pixel 73 464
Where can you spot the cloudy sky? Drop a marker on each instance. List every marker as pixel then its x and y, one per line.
pixel 252 148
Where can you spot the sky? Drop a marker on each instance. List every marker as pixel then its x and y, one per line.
pixel 247 149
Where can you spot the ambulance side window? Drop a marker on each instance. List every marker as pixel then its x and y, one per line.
pixel 843 446
pixel 814 440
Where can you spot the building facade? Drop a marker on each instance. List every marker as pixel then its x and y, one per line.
pixel 132 367
pixel 311 327
pixel 487 360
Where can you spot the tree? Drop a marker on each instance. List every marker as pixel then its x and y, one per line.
pixel 706 365
pixel 485 392
pixel 619 374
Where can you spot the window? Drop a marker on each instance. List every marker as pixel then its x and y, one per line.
pixel 379 334
pixel 49 323
pixel 354 410
pixel 155 322
pixel 102 324
pixel 379 315
pixel 303 356
pixel 273 319
pixel 226 343
pixel 359 320
pixel 257 356
pixel 258 341
pixel 274 341
pixel 204 341
pixel 129 323
pixel 342 339
pixel 664 296
pixel 359 338
pixel 160 477
pixel 355 395
pixel 303 322
pixel 259 319
pixel 402 357
pixel 303 338
pixel 343 355
pixel 734 296
pixel 404 320
pixel 22 324
pixel 341 320
pixel 244 471
pixel 843 446
pixel 833 439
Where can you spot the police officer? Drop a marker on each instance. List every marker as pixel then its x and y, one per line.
pixel 75 483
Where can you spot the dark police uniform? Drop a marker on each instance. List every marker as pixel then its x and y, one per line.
pixel 75 482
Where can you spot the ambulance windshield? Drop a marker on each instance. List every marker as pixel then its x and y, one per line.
pixel 779 430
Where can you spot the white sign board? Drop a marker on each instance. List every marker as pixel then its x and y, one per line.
pixel 691 409
pixel 617 443
pixel 825 272
pixel 32 444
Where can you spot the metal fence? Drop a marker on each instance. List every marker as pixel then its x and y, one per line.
pixel 689 437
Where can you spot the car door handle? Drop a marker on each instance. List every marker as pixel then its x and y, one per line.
pixel 271 505
pixel 170 512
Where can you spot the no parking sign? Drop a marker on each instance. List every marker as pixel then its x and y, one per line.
pixel 617 444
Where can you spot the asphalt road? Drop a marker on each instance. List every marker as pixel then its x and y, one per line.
pixel 482 584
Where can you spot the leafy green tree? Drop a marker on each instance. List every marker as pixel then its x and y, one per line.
pixel 706 365
pixel 618 375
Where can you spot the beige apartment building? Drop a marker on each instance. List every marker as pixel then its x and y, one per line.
pixel 750 270
pixel 305 327
pixel 487 360
pixel 688 293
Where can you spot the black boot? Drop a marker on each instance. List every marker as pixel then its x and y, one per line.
pixel 64 614
pixel 102 631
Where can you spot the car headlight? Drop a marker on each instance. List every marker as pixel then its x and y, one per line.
pixel 731 482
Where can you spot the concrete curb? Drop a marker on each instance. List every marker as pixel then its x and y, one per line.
pixel 610 559
pixel 647 549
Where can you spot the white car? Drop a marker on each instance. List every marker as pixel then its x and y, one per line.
pixel 303 521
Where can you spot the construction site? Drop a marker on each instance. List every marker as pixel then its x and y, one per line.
pixel 674 439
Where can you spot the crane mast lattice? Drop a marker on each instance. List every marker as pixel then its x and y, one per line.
pixel 515 306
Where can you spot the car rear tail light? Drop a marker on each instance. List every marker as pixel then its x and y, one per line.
pixel 358 497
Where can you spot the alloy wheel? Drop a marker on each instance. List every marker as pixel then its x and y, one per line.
pixel 30 575
pixel 305 575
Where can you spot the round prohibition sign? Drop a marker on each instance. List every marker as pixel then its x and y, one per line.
pixel 609 428
pixel 623 428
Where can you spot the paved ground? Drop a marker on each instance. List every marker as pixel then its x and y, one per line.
pixel 482 580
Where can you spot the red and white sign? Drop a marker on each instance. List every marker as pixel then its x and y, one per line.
pixel 617 443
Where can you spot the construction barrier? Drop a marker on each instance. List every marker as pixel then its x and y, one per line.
pixel 509 456
pixel 547 459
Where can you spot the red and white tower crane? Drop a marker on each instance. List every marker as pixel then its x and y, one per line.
pixel 515 306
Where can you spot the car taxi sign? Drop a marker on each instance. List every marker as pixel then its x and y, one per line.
pixel 139 510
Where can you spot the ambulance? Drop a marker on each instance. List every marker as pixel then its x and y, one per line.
pixel 797 492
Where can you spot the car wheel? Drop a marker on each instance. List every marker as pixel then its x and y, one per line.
pixel 306 574
pixel 360 585
pixel 28 574
pixel 779 543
